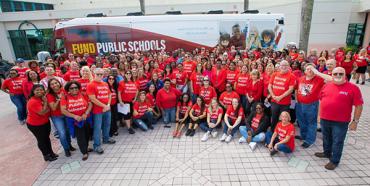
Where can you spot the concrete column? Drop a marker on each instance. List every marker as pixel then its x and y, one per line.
pixel 6 48
pixel 367 32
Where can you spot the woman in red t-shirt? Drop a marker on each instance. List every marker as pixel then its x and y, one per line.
pixel 349 65
pixel 13 87
pixel 197 116
pixel 76 108
pixel 361 62
pixel 283 137
pixel 32 77
pixel 127 92
pixel 214 118
pixel 196 79
pixel 85 79
pixel 266 79
pixel 55 93
pixel 142 80
pixel 234 117
pixel 207 91
pixel 227 96
pixel 113 87
pixel 182 112
pixel 143 113
pixel 151 96
pixel 38 121
pixel 254 93
pixel 241 84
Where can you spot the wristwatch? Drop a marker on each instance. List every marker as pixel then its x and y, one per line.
pixel 356 121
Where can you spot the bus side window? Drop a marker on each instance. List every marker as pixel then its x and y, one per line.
pixel 59 46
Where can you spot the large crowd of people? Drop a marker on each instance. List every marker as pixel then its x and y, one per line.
pixel 260 95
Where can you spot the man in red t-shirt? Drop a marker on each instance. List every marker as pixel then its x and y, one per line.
pixel 336 101
pixel 308 90
pixel 73 73
pixel 281 86
pixel 100 95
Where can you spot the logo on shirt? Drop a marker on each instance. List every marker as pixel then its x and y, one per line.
pixel 343 93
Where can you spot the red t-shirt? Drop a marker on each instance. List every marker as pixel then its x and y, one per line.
pixel 339 56
pixel 71 75
pixel 230 76
pixel 255 90
pixel 179 76
pixel 84 83
pixel 231 113
pixel 128 90
pixel 242 83
pixel 308 90
pixel 113 97
pixel 336 101
pixel 141 108
pixel 266 80
pixel 348 66
pixel 218 79
pixel 141 82
pixel 21 71
pixel 280 84
pixel 226 98
pixel 215 113
pixel 183 108
pixel 13 85
pixel 284 131
pixel 256 121
pixel 76 105
pixel 101 92
pixel 196 80
pixel 360 61
pixel 151 99
pixel 168 99
pixel 189 66
pixel 51 99
pixel 34 105
pixel 197 110
pixel 208 94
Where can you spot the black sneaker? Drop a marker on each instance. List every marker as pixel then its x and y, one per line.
pixel 357 82
pixel 50 158
pixel 110 141
pixel 318 130
pixel 67 153
pixel 167 126
pixel 273 152
pixel 115 134
pixel 192 132
pixel 54 155
pixel 71 148
pixel 131 131
pixel 305 145
pixel 298 137
pixel 321 155
pixel 363 83
pixel 150 127
pixel 188 132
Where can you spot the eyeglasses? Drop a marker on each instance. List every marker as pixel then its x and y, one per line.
pixel 110 78
pixel 99 74
pixel 205 79
pixel 73 88
pixel 338 74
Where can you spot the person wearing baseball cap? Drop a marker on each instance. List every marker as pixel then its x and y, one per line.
pixel 20 67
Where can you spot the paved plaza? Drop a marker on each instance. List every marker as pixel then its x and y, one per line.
pixel 156 158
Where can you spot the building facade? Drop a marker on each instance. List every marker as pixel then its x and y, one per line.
pixel 26 27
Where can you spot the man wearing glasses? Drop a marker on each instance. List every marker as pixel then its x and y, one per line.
pixel 336 100
pixel 99 94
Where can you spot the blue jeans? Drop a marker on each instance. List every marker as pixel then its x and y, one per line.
pixel 233 131
pixel 204 126
pixel 101 122
pixel 20 102
pixel 282 147
pixel 307 119
pixel 62 128
pixel 257 138
pixel 148 118
pixel 334 134
pixel 276 110
pixel 169 115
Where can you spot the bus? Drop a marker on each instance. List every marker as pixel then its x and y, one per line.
pixel 100 35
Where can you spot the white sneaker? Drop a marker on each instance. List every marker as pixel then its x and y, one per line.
pixel 214 134
pixel 242 139
pixel 253 145
pixel 228 139
pixel 22 122
pixel 224 136
pixel 205 136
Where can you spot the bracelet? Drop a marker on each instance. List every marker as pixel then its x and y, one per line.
pixel 356 121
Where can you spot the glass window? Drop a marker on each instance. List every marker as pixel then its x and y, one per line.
pixel 38 6
pixel 18 7
pixel 28 6
pixel 49 7
pixel 355 34
pixel 5 6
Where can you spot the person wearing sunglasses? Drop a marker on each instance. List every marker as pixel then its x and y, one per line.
pixel 99 94
pixel 113 87
pixel 76 107
pixel 337 99
pixel 207 91
pixel 13 87
pixel 227 96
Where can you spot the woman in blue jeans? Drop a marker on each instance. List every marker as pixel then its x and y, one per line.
pixel 214 118
pixel 256 127
pixel 56 92
pixel 234 117
pixel 143 113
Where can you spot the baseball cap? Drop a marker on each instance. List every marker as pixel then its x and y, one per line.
pixel 19 60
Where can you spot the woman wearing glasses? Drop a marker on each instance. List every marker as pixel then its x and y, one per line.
pixel 127 92
pixel 77 109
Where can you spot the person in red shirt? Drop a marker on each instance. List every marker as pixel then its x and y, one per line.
pixel 196 79
pixel 336 101
pixel 20 67
pixel 207 91
pixel 151 96
pixel 330 65
pixel 38 121
pixel 231 73
pixel 227 96
pixel 189 65
pixel 180 78
pixel 143 113
pixel 182 114
pixel 166 102
pixel 27 84
pixel 234 117
pixel 218 77
pixel 99 94
pixel 281 86
pixel 214 118
pixel 349 65
pixel 241 85
pixel 13 87
pixel 283 137
pixel 308 90
pixel 255 90
pixel 142 80
pixel 113 87
pixel 128 91
pixel 55 93
pixel 339 55
pixel 361 62
pixel 266 79
pixel 197 115
pixel 73 73
pixel 85 79
pixel 75 106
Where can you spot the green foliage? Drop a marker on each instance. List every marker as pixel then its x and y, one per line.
pixel 352 48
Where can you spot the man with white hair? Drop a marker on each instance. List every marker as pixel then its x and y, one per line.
pixel 336 100
pixel 281 86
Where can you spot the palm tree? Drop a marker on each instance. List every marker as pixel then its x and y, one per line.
pixel 306 16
